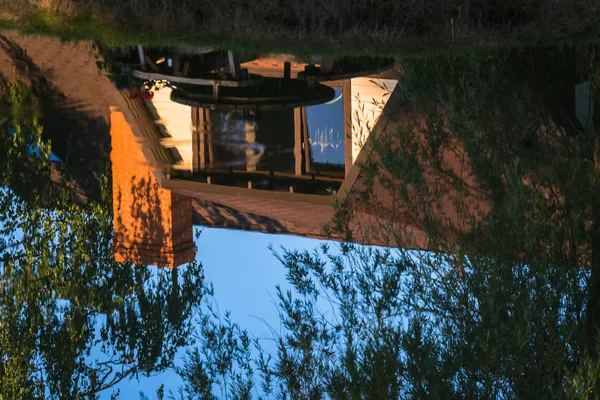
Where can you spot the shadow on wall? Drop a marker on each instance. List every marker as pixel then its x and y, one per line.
pixel 152 225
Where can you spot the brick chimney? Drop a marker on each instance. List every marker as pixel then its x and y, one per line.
pixel 152 225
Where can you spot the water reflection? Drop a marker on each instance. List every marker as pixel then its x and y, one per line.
pixel 326 131
pixel 75 321
pixel 256 122
pixel 152 226
pixel 486 162
pixel 67 254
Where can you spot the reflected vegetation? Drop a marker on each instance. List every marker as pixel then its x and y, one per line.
pixel 475 175
pixel 74 321
pixel 490 162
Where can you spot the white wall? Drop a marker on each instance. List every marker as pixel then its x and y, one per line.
pixel 369 96
pixel 175 121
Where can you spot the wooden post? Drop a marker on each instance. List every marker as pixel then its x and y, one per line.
pixel 208 132
pixel 202 139
pixel 326 64
pixel 306 141
pixel 150 63
pixel 347 99
pixel 196 135
pixel 142 57
pixel 234 66
pixel 176 66
pixel 298 140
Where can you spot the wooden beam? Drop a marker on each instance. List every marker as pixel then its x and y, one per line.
pixel 256 80
pixel 150 63
pixel 272 175
pixel 180 184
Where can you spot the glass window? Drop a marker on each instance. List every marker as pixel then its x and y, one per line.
pixel 326 131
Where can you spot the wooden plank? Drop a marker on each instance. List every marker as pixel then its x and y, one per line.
pixel 256 80
pixel 150 63
pixel 279 176
pixel 180 184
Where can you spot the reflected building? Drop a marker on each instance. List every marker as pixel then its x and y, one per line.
pixel 268 169
pixel 152 225
pixel 270 156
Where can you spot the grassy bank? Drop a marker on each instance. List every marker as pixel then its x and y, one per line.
pixel 308 26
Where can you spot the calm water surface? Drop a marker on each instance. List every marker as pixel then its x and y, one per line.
pixel 204 222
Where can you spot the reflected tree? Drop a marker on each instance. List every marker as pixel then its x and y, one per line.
pixel 512 116
pixel 505 303
pixel 74 322
pixel 26 156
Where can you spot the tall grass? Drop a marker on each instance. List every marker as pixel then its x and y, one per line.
pixel 366 24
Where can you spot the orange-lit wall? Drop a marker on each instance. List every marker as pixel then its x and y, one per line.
pixel 152 225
